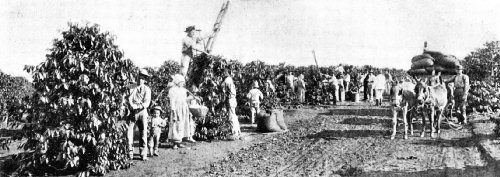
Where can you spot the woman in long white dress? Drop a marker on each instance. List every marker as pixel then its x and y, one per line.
pixel 181 124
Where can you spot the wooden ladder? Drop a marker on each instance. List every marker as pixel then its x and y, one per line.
pixel 218 22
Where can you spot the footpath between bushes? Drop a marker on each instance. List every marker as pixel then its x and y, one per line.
pixel 195 159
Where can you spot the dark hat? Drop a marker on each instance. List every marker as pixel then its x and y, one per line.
pixel 157 108
pixel 190 28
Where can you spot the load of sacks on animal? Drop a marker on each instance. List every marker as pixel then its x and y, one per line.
pixel 428 61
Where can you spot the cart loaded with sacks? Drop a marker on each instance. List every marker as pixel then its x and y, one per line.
pixel 424 64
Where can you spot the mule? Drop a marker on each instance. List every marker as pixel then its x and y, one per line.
pixel 402 99
pixel 432 100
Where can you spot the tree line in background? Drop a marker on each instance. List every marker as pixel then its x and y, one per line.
pixel 482 66
pixel 73 112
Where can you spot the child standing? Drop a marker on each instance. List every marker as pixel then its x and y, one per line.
pixel 255 96
pixel 156 124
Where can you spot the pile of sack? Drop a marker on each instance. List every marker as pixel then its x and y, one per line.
pixel 271 121
pixel 425 63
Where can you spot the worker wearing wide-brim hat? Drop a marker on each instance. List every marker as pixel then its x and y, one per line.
pixel 462 87
pixel 181 126
pixel 139 100
pixel 190 47
pixel 254 96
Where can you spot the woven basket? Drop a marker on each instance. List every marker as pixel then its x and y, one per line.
pixel 198 111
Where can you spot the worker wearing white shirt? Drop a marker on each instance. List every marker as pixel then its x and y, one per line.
pixel 189 47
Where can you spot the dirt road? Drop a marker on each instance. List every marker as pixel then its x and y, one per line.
pixel 326 141
pixel 353 140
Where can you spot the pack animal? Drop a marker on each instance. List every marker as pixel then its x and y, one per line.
pixel 402 100
pixel 432 100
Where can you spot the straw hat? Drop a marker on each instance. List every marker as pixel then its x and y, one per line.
pixel 143 72
pixel 177 79
pixel 255 84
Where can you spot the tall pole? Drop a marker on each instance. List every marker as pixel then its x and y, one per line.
pixel 316 61
pixel 314 55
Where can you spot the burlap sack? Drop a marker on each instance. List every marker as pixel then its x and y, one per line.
pixel 417 72
pixel 420 57
pixel 434 54
pixel 447 61
pixel 422 64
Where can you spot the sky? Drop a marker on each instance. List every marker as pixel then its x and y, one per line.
pixel 382 33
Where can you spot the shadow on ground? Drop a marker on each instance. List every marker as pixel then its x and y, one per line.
pixel 367 121
pixel 361 111
pixel 334 134
pixel 459 142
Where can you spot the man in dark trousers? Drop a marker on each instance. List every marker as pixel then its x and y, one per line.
pixel 365 86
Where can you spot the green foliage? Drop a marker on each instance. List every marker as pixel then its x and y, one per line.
pixel 207 75
pixel 77 113
pixel 482 67
pixel 14 89
pixel 480 64
pixel 13 92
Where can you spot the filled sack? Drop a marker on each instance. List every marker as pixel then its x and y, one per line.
pixel 267 122
pixel 434 54
pixel 423 63
pixel 430 69
pixel 447 61
pixel 420 57
pixel 280 119
pixel 417 72
pixel 445 70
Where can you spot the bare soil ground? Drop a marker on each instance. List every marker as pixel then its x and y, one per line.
pixel 351 139
pixel 196 159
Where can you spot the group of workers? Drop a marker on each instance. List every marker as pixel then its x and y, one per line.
pixel 335 86
pixel 181 124
pixel 374 86
pixel 182 127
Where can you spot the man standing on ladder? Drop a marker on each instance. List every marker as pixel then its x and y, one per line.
pixel 191 42
pixel 190 45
